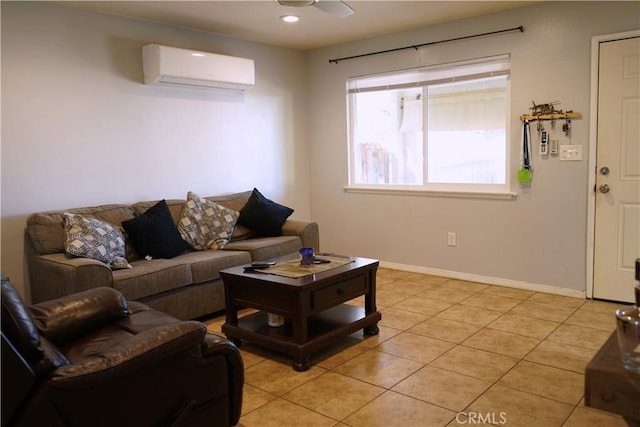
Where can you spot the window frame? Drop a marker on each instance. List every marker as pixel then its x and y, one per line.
pixel 421 77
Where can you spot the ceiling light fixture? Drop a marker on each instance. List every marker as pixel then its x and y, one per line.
pixel 290 18
pixel 297 3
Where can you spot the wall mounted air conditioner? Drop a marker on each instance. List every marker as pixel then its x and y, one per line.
pixel 163 64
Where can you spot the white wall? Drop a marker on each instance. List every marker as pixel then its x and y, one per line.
pixel 79 128
pixel 538 239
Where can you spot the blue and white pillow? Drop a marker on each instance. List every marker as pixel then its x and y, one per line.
pixel 206 225
pixel 92 238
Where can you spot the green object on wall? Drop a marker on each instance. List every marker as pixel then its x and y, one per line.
pixel 524 173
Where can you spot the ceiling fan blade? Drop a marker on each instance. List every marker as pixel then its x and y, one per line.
pixel 335 8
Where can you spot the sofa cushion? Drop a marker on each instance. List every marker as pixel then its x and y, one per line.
pixel 266 248
pixel 206 225
pixel 175 207
pixel 206 265
pixel 154 234
pixel 264 216
pixel 235 201
pixel 93 238
pixel 64 319
pixel 46 229
pixel 152 277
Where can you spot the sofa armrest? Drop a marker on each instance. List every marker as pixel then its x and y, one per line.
pixel 18 380
pixel 308 232
pixel 161 376
pixel 217 345
pixel 63 319
pixel 138 352
pixel 56 275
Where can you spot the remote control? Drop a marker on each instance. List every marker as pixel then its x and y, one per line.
pixel 262 264
pixel 544 145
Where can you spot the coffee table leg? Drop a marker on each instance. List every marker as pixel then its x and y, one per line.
pixel 371 330
pixel 301 363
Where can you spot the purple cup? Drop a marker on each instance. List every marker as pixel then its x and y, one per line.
pixel 307 256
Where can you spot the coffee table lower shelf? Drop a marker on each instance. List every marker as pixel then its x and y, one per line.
pixel 323 329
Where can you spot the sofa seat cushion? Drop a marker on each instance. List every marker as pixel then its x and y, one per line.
pixel 152 277
pixel 97 343
pixel 265 248
pixel 206 265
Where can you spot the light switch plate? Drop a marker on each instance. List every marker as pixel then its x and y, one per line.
pixel 570 152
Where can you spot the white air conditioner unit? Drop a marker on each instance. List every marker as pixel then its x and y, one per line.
pixel 163 64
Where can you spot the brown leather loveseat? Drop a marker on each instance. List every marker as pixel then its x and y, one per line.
pixel 95 359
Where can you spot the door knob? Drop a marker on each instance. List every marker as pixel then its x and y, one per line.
pixel 604 188
pixel 604 170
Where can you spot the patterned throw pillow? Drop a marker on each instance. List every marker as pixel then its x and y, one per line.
pixel 204 224
pixel 92 238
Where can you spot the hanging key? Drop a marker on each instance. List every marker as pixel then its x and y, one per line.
pixel 566 128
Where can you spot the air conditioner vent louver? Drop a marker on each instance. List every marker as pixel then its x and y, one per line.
pixel 163 64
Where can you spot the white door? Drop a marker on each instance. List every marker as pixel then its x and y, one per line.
pixel 617 199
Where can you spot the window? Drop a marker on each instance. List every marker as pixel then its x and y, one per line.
pixel 437 128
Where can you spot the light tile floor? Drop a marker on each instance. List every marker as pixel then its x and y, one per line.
pixel 448 350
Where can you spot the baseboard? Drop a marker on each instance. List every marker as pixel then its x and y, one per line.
pixel 486 279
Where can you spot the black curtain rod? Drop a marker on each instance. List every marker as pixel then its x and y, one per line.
pixel 335 61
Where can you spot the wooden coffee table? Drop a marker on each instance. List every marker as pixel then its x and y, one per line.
pixel 314 308
pixel 608 386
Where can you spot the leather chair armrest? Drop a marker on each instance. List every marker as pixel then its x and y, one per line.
pixel 216 345
pixel 63 319
pixel 52 359
pixel 130 356
pixel 18 379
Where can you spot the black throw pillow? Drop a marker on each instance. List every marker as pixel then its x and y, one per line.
pixel 263 216
pixel 154 233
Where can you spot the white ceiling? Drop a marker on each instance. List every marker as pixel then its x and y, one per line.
pixel 260 20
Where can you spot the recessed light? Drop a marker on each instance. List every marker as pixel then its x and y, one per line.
pixel 290 18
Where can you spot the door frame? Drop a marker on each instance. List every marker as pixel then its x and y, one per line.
pixel 593 145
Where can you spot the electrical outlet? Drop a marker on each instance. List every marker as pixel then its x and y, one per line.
pixel 570 152
pixel 452 239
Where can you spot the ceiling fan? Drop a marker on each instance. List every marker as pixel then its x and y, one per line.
pixel 334 7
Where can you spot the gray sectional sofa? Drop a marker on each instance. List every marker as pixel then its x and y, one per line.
pixel 186 286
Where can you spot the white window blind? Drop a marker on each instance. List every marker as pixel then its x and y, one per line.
pixel 435 74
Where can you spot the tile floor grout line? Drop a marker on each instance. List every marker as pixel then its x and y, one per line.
pixel 393 332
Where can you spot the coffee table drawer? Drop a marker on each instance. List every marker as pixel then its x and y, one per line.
pixel 338 293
